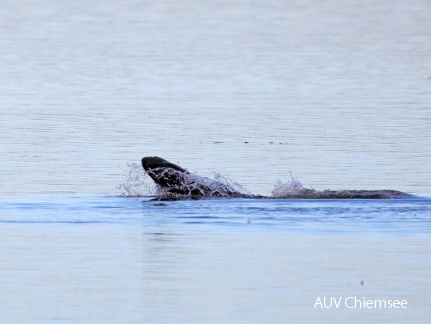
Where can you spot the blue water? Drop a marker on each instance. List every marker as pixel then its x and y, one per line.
pixel 112 259
pixel 333 94
pixel 408 215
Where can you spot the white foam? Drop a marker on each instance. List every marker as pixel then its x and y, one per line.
pixel 137 184
pixel 285 189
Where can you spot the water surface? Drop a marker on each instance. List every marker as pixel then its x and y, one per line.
pixel 336 93
pixel 112 259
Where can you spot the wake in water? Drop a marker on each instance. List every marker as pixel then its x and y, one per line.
pixel 174 182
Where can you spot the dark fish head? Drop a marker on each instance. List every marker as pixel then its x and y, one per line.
pixel 166 174
pixel 154 162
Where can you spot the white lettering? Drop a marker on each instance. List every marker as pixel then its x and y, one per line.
pixel 357 302
pixel 337 304
pixel 380 303
pixel 328 302
pixel 324 302
pixel 346 302
pixel 318 302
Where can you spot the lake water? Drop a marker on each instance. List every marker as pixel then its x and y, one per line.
pixel 337 94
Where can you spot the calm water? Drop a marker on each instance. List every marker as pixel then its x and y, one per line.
pixel 118 259
pixel 336 93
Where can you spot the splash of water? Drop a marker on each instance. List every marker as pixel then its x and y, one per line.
pixel 137 184
pixel 294 189
pixel 234 186
pixel 193 186
pixel 291 188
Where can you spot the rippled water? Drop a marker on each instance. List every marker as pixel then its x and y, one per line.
pixel 410 215
pixel 114 259
pixel 336 94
